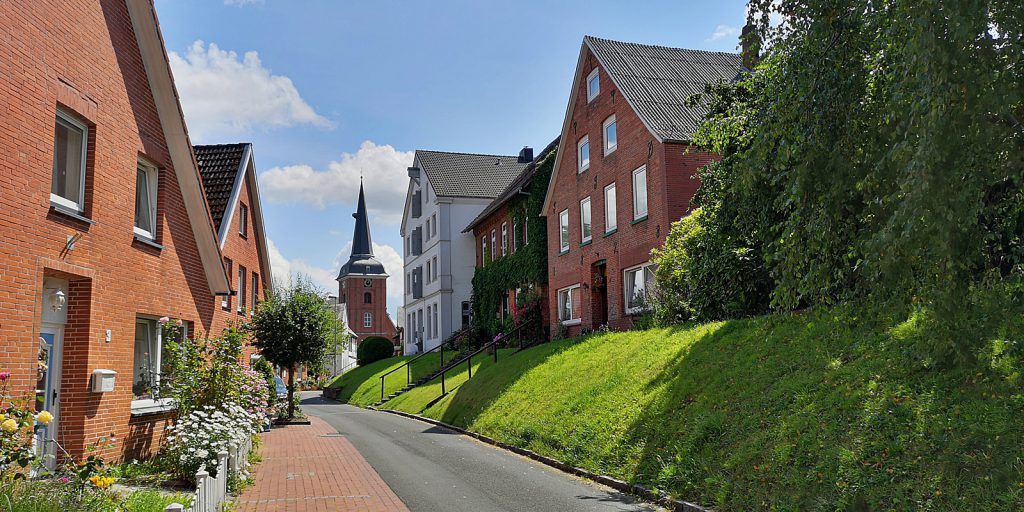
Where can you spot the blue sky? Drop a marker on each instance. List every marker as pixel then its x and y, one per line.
pixel 329 90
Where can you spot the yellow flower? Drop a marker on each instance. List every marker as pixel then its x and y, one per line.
pixel 3 417
pixel 44 417
pixel 101 482
pixel 9 425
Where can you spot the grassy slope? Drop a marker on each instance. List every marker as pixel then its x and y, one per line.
pixel 416 399
pixel 802 412
pixel 361 386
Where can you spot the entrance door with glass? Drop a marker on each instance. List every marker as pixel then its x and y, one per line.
pixel 51 341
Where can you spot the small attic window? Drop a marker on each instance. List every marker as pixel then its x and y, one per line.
pixel 593 85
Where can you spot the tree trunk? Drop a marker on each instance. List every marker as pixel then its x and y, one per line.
pixel 291 392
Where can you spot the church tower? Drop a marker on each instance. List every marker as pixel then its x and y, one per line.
pixel 362 283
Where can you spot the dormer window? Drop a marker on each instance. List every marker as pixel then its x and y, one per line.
pixel 593 85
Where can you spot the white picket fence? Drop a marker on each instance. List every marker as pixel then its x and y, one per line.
pixel 212 491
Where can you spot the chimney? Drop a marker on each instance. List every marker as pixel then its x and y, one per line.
pixel 526 155
pixel 750 44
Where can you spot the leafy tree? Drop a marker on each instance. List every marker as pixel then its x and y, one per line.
pixel 293 327
pixel 877 153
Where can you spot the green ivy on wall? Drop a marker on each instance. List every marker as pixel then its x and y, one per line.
pixel 526 266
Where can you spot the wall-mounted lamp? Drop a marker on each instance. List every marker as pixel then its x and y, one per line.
pixel 57 300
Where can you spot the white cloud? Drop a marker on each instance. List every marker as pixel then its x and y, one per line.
pixel 224 94
pixel 242 3
pixel 285 269
pixel 723 32
pixel 382 167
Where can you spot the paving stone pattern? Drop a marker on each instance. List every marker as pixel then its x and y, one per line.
pixel 313 468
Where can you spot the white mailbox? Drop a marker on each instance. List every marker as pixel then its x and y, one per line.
pixel 103 381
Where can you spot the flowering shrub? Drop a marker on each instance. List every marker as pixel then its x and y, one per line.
pixel 196 439
pixel 18 426
pixel 253 395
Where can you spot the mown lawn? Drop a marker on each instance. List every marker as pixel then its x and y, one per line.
pixel 417 399
pixel 361 386
pixel 813 411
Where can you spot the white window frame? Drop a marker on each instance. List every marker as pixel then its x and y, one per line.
pixel 152 182
pixel 367 320
pixel 79 206
pixel 434 224
pixel 428 271
pixel 243 220
pixel 241 289
pixel 637 214
pixel 611 209
pixel 581 165
pixel 435 268
pixel 436 321
pixel 515 236
pixel 627 298
pixel 590 77
pixel 483 250
pixel 429 331
pixel 563 230
pixel 494 242
pixel 586 221
pixel 504 239
pixel 562 302
pixel 153 405
pixel 610 147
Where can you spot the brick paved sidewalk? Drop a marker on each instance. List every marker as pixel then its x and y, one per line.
pixel 302 470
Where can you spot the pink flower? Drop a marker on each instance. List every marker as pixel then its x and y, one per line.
pixel 164 319
pixel 4 376
pixel 179 323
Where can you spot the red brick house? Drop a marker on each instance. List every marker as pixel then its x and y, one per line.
pixel 624 171
pixel 104 227
pixel 228 173
pixel 506 221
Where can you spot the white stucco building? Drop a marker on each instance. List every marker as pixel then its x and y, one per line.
pixel 446 192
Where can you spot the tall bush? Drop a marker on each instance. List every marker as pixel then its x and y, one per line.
pixel 374 348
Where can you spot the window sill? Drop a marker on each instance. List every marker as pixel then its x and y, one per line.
pixel 563 252
pixel 148 242
pixel 610 151
pixel 612 232
pixel 583 170
pixel 69 212
pixel 570 323
pixel 638 220
pixel 584 244
pixel 149 406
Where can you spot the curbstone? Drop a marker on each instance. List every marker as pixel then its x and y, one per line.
pixel 637 490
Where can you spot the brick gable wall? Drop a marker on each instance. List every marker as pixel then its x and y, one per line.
pixel 671 183
pixel 82 55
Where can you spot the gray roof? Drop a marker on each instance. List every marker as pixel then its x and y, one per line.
pixel 657 80
pixel 522 182
pixel 468 174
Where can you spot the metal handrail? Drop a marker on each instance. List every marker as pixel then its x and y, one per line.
pixel 469 358
pixel 408 364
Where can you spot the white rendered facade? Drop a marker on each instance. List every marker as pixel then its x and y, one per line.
pixel 444 265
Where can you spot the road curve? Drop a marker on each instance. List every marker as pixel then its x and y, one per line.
pixel 433 469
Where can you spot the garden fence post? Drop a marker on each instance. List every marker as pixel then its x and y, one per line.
pixel 175 507
pixel 199 505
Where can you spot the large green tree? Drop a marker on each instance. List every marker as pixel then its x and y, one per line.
pixel 887 139
pixel 293 327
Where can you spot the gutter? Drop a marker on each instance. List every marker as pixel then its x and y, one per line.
pixel 656 497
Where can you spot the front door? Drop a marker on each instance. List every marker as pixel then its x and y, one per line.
pixel 598 294
pixel 48 390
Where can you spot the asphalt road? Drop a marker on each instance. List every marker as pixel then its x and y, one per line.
pixel 435 469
